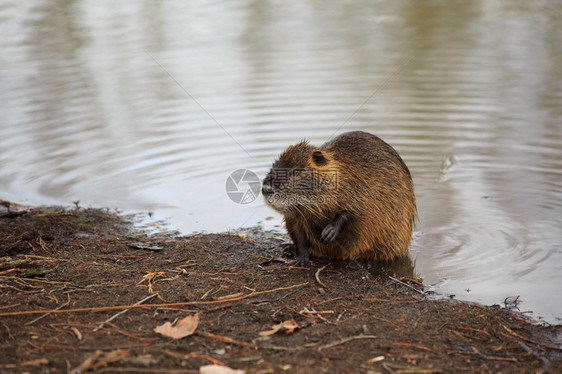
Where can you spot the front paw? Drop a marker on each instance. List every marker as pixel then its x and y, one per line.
pixel 329 234
pixel 302 261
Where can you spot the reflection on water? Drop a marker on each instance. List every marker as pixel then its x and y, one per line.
pixel 150 106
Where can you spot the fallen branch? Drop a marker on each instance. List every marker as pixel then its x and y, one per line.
pixel 121 307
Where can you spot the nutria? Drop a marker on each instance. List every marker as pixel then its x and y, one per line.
pixel 351 198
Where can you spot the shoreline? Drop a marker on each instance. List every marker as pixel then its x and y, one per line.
pixel 71 261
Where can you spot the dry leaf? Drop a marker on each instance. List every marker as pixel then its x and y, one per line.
pixel 182 328
pixel 218 369
pixel 287 326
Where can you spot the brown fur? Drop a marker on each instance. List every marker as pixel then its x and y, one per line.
pixel 373 189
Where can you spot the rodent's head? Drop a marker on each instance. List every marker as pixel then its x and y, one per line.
pixel 303 176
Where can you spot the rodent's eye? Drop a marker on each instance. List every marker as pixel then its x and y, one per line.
pixel 319 158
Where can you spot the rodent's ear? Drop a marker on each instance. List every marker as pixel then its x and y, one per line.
pixel 319 158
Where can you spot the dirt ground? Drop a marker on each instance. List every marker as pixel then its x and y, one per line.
pixel 256 312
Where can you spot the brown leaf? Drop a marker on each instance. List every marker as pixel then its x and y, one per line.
pixel 286 326
pixel 182 328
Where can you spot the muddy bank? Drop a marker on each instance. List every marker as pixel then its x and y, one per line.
pixel 256 312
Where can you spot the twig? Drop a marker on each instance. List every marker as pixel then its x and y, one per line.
pixel 495 358
pixel 137 370
pixel 348 339
pixel 120 307
pixel 283 268
pixel 34 279
pixel 21 291
pixel 317 276
pixel 45 258
pixel 529 322
pixel 82 348
pixel 325 319
pixel 530 340
pixel 526 348
pixel 8 330
pixel 9 306
pixel 37 362
pixel 122 312
pixel 470 336
pixel 238 294
pixel 399 369
pixel 414 346
pixel 407 285
pixel 216 253
pixel 330 300
pixel 478 354
pixel 13 270
pixel 46 314
pixel 99 358
pixel 128 334
pixel 416 281
pixel 226 339
pixel 280 348
pixel 466 328
pixel 390 301
pixel 194 355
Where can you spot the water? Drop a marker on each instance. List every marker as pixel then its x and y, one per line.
pixel 149 106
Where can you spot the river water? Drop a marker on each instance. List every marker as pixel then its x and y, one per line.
pixel 149 106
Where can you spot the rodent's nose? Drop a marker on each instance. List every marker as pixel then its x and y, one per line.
pixel 267 190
